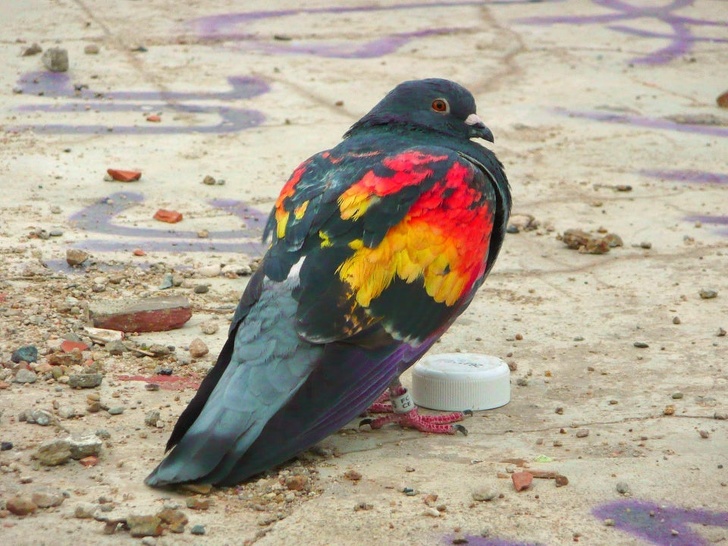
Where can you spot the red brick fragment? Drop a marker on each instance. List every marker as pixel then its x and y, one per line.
pixel 521 480
pixel 138 252
pixel 722 100
pixel 124 176
pixel 154 118
pixel 147 315
pixel 169 216
pixel 91 460
pixel 67 346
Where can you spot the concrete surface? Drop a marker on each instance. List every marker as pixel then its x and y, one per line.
pixel 581 96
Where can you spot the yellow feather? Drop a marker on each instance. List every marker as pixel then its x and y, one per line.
pixel 281 221
pixel 300 210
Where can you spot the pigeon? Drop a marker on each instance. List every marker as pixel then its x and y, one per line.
pixel 376 247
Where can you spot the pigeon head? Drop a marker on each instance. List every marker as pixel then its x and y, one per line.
pixel 433 104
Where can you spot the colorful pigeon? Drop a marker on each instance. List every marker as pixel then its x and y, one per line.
pixel 378 245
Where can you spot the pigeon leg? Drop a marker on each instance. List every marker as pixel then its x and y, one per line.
pixel 382 404
pixel 403 411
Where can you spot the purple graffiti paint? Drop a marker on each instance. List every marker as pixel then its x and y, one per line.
pixel 231 120
pixel 641 121
pixel 712 220
pixel 474 540
pixel 693 177
pixel 680 39
pixel 236 28
pixel 98 218
pixel 655 523
pixel 82 100
pixel 58 84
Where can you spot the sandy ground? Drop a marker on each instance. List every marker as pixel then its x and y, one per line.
pixel 606 118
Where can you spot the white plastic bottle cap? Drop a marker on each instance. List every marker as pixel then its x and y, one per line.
pixel 461 381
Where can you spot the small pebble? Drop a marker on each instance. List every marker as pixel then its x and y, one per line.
pixel 201 288
pixel 31 50
pixel 669 410
pixel 609 522
pixel 91 49
pixel 6 446
pixel 645 244
pixel 623 488
pixel 198 348
pixel 209 328
pixel 85 510
pixel 352 475
pixel 55 59
pixel 25 376
pixel 198 530
pixel 296 482
pixel 708 294
pixel 677 395
pixel 198 503
pixel 85 380
pixel 28 353
pixel 432 512
pixel 76 256
pixel 167 282
pixel 116 410
pixel 704 434
pixel 641 344
pixel 582 433
pixel 209 180
pixel 20 505
pixel 152 418
pixel 484 494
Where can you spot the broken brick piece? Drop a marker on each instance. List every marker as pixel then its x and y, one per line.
pixel 91 460
pixel 124 176
pixel 154 118
pixel 67 346
pixel 147 315
pixel 169 216
pixel 521 480
pixel 139 252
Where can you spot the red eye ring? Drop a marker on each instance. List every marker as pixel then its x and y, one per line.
pixel 441 106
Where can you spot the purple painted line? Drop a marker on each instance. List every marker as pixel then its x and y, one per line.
pixel 695 177
pixel 348 49
pixel 97 218
pixel 58 84
pixel 474 540
pixel 717 220
pixel 55 85
pixel 224 27
pixel 650 123
pixel 655 523
pixel 680 40
pixel 253 249
pixel 232 120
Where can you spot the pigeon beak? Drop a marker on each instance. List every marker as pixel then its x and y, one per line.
pixel 478 128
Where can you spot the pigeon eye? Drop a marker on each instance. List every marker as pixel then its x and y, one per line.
pixel 440 105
